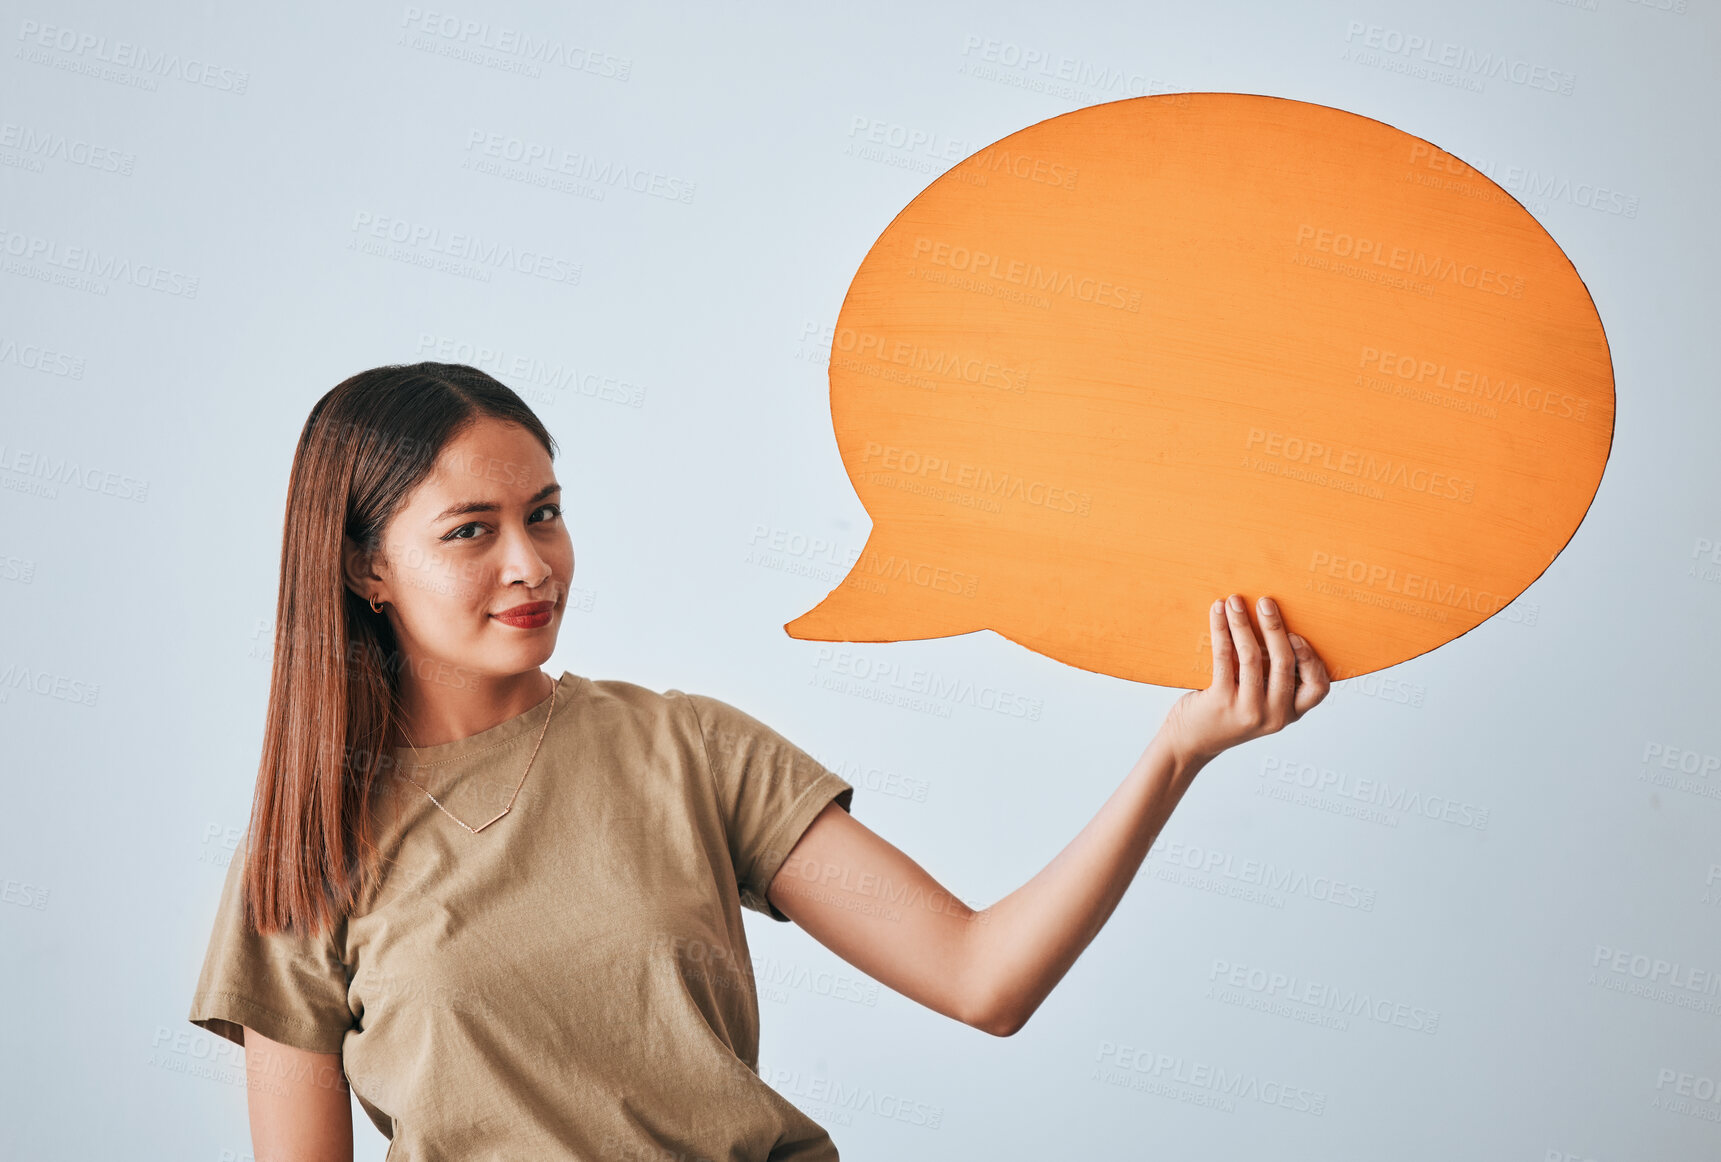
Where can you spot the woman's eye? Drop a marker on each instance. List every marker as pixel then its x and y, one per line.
pixel 555 511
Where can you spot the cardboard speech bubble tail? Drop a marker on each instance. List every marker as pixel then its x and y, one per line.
pixel 890 597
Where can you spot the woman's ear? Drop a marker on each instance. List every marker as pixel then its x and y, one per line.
pixel 356 567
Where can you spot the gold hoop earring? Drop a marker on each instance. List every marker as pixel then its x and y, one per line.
pixel 375 605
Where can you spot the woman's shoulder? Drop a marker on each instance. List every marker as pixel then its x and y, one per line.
pixel 618 700
pixel 612 693
pixel 618 704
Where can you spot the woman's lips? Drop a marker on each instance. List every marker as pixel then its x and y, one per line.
pixel 533 615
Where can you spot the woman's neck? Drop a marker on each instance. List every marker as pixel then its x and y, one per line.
pixel 433 713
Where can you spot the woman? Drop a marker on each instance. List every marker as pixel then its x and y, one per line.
pixel 506 907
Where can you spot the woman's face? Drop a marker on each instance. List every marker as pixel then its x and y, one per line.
pixel 480 538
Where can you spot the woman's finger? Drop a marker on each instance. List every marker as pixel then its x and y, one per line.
pixel 1312 680
pixel 1282 664
pixel 1248 651
pixel 1224 657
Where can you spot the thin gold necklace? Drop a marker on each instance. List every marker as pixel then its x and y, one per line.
pixel 511 798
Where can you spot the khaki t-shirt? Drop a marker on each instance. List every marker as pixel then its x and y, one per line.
pixel 574 980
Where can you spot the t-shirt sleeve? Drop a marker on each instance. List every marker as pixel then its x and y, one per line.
pixel 768 789
pixel 290 987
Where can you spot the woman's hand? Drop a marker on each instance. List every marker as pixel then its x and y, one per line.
pixel 1246 699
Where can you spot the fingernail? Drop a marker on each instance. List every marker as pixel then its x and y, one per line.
pixel 1237 604
pixel 1267 606
pixel 1297 639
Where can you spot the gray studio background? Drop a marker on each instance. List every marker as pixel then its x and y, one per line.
pixel 1543 964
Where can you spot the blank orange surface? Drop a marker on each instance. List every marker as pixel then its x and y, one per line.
pixel 1150 352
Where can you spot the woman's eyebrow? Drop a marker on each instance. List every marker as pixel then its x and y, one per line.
pixel 490 505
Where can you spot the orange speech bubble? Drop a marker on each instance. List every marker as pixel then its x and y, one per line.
pixel 1150 352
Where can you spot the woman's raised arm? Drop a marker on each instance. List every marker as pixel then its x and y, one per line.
pixel 875 907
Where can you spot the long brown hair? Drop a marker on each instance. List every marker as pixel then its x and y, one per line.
pixel 332 691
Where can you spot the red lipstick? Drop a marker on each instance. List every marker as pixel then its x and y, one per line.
pixel 532 615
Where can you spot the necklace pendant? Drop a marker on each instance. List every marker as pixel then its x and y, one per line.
pixel 482 826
